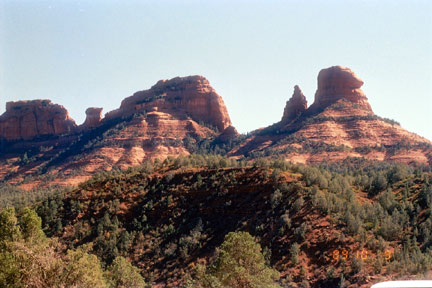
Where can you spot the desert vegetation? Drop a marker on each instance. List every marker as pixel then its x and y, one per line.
pixel 331 224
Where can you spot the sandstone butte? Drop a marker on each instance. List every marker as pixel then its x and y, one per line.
pixel 340 122
pixel 336 83
pixel 192 96
pixel 31 119
pixel 158 122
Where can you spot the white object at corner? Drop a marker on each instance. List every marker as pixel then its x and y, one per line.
pixel 404 284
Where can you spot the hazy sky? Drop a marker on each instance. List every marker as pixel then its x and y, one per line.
pixel 95 53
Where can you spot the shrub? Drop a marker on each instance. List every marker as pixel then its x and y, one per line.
pixel 298 204
pixel 275 198
pixel 356 265
pixel 294 251
pixel 300 232
pixel 286 221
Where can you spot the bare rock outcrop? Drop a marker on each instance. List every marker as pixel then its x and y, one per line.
pixel 336 83
pixel 31 119
pixel 93 117
pixel 295 106
pixel 181 97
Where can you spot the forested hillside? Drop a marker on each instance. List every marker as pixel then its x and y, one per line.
pixel 344 224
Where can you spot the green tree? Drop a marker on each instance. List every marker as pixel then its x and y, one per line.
pixel 25 159
pixel 83 269
pixel 124 242
pixel 379 183
pixel 240 263
pixel 29 262
pixel 31 224
pixel 294 251
pixel 9 231
pixel 397 173
pixel 298 204
pixel 121 273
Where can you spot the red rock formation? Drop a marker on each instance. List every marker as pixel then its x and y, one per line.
pixel 31 119
pixel 181 97
pixel 229 133
pixel 349 128
pixel 336 83
pixel 168 122
pixel 295 106
pixel 93 117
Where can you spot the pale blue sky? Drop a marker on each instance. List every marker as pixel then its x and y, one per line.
pixel 95 53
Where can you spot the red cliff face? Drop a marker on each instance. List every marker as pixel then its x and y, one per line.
pixel 93 117
pixel 181 97
pixel 31 119
pixel 295 106
pixel 336 83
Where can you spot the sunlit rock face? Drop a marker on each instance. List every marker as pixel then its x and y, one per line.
pixel 336 83
pixel 181 97
pixel 93 117
pixel 31 119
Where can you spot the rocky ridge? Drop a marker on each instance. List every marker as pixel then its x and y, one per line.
pixel 185 115
pixel 154 123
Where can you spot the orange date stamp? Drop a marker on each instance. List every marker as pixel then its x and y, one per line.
pixel 345 254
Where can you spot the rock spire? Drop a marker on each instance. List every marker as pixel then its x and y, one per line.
pixel 295 106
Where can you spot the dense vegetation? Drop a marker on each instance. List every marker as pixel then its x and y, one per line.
pixel 13 196
pixel 29 259
pixel 327 225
